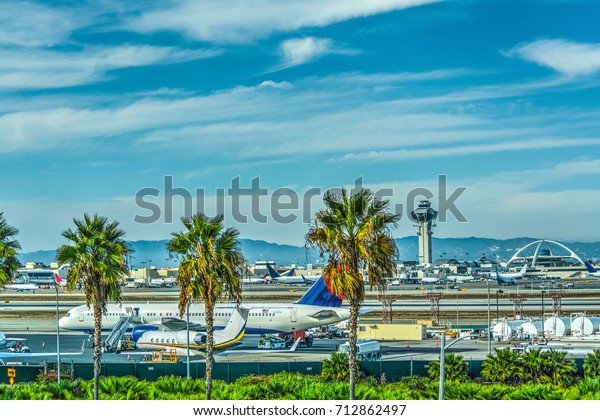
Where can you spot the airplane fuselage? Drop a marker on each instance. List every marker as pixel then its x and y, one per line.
pixel 262 319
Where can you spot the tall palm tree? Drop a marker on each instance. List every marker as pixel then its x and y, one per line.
pixel 353 231
pixel 9 247
pixel 96 251
pixel 210 268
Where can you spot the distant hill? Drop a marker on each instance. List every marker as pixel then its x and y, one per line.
pixel 149 253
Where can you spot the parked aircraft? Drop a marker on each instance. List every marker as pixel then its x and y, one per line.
pixel 430 280
pixel 22 287
pixel 591 270
pixel 178 340
pixel 318 306
pixel 508 279
pixel 290 279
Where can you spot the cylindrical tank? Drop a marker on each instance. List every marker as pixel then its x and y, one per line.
pixel 506 329
pixel 532 329
pixel 584 326
pixel 557 326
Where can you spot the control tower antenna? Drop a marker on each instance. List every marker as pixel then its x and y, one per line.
pixel 424 216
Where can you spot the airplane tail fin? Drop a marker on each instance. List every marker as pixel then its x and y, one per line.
pixel 291 273
pixel 590 268
pixel 274 274
pixel 320 295
pixel 235 328
pixel 523 270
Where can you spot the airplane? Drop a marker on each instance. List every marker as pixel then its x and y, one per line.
pixel 290 279
pixel 508 279
pixel 591 270
pixel 459 278
pixel 178 340
pixel 430 280
pixel 318 306
pixel 22 287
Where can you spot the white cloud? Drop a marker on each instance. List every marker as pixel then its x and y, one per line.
pixel 567 57
pixel 297 51
pixel 38 68
pixel 29 24
pixel 244 21
pixel 471 149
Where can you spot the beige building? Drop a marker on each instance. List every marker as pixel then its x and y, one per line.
pixel 394 331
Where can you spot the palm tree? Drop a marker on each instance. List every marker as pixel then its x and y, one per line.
pixel 9 247
pixel 591 364
pixel 455 368
pixel 97 253
pixel 354 232
pixel 211 267
pixel 560 370
pixel 504 367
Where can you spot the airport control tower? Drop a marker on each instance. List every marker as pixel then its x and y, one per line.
pixel 424 215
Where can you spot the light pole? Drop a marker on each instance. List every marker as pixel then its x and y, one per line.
pixel 57 334
pixel 443 348
pixel 543 309
pixel 187 363
pixel 489 328
pixel 499 291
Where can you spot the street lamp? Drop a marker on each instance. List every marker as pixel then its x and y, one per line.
pixel 489 327
pixel 443 348
pixel 187 363
pixel 499 291
pixel 57 333
pixel 543 309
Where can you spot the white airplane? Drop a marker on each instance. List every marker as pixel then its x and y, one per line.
pixel 508 279
pixel 430 280
pixel 591 270
pixel 22 287
pixel 459 278
pixel 318 306
pixel 290 278
pixel 178 340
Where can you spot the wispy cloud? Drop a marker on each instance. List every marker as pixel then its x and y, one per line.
pixel 43 68
pixel 567 57
pixel 298 51
pixel 28 24
pixel 472 149
pixel 244 21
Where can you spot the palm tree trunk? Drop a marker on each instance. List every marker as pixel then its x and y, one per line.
pixel 97 350
pixel 353 362
pixel 209 306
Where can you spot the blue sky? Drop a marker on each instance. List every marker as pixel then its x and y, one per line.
pixel 102 99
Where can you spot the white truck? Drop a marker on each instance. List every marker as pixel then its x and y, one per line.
pixel 366 350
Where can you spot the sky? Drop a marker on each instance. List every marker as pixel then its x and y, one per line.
pixel 126 108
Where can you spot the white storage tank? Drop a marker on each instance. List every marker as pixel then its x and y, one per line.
pixel 584 326
pixel 557 326
pixel 505 330
pixel 532 329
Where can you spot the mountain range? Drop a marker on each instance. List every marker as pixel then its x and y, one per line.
pixel 154 253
